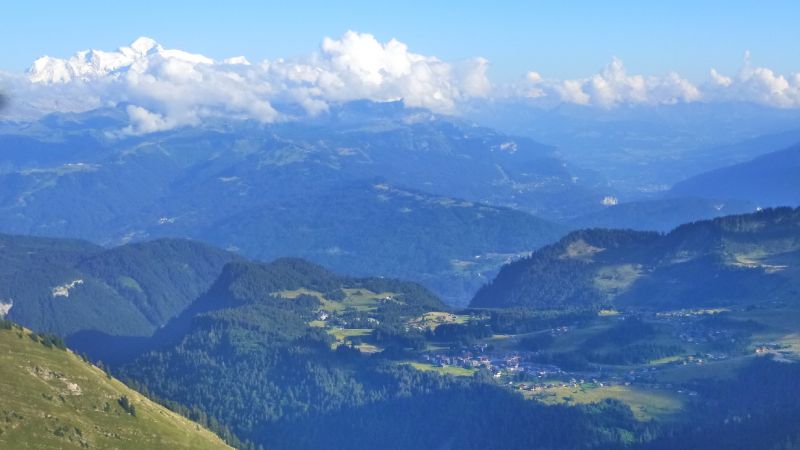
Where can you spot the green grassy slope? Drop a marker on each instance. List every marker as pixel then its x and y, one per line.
pixel 50 398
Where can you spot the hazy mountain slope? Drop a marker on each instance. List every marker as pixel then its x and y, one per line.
pixel 400 193
pixel 21 153
pixel 641 149
pixel 660 214
pixel 63 286
pixel 769 180
pixel 53 399
pixel 746 150
pixel 748 258
pixel 734 185
pixel 453 246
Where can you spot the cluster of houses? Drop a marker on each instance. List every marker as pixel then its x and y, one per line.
pixel 702 335
pixel 572 383
pixel 499 364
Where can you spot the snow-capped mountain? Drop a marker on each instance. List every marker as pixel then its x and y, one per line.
pixel 88 65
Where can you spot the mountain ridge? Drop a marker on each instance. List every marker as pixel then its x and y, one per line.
pixel 53 399
pixel 706 263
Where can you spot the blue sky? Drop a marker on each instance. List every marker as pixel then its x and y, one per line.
pixel 557 39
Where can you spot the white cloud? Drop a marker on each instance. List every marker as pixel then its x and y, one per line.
pixel 611 87
pixel 532 86
pixel 358 66
pixel 759 85
pixel 28 101
pixel 719 79
pixel 473 79
pixel 144 121
pixel 169 88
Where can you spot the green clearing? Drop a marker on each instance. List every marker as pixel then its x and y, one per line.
pixel 574 338
pixel 646 404
pixel 725 369
pixel 614 280
pixel 436 346
pixel 293 294
pixel 53 399
pixel 432 320
pixel 502 341
pixel 777 320
pixel 780 327
pixel 344 335
pixel 130 283
pixel 444 370
pixel 368 348
pixel 362 300
pixel 483 263
pixel 666 360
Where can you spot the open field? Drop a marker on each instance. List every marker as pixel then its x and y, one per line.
pixel 433 319
pixel 725 369
pixel 665 360
pixel 445 370
pixel 343 335
pixel 292 294
pixel 646 404
pixel 357 299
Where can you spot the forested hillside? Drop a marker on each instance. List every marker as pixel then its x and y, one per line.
pixel 740 259
pixel 260 354
pixel 63 286
pixel 368 189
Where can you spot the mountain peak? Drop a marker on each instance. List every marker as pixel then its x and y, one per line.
pixel 144 45
pixel 88 65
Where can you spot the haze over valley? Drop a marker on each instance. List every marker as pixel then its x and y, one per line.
pixel 408 236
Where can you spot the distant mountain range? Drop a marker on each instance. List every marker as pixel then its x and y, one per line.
pixel 661 214
pixel 769 180
pixel 362 190
pixel 730 260
pixel 366 189
pixel 645 149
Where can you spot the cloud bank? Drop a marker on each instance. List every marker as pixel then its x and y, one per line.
pixel 166 88
pixel 757 84
pixel 611 87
